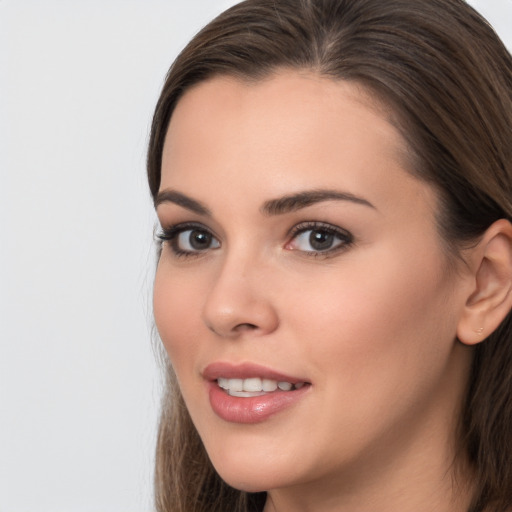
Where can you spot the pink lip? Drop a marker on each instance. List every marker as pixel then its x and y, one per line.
pixel 245 371
pixel 253 409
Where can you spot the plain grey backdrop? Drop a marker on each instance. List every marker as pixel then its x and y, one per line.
pixel 79 385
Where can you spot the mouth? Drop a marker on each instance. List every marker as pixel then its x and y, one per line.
pixel 251 393
pixel 255 386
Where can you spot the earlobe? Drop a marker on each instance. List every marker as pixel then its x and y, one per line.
pixel 490 299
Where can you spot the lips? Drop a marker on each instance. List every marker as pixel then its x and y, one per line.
pixel 251 393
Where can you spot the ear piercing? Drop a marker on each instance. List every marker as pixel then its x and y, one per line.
pixel 479 331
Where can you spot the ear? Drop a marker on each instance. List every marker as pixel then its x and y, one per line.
pixel 490 298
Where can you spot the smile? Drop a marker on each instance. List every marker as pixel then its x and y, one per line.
pixel 251 393
pixel 255 386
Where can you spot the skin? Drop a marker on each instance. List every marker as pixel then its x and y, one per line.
pixel 371 325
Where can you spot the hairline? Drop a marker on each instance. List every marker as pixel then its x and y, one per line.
pixel 372 98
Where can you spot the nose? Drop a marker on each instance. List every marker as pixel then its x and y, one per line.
pixel 239 302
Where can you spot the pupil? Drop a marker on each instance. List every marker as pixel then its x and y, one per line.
pixel 321 240
pixel 200 240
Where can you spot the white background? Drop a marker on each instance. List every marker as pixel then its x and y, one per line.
pixel 79 386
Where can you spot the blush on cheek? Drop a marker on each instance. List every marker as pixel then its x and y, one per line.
pixel 176 313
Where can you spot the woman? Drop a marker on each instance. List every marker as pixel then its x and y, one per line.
pixel 333 182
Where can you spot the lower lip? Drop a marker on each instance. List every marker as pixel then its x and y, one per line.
pixel 252 409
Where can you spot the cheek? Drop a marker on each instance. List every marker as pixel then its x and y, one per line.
pixel 372 322
pixel 176 310
pixel 378 344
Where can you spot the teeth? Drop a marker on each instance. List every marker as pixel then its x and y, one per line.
pixel 255 386
pixel 223 383
pixel 245 394
pixel 236 384
pixel 269 385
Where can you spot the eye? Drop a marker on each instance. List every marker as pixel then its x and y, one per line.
pixel 192 240
pixel 319 238
pixel 189 240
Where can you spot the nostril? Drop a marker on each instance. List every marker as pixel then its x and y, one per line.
pixel 230 317
pixel 246 327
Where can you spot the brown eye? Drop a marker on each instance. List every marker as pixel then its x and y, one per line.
pixel 315 238
pixel 195 240
pixel 321 240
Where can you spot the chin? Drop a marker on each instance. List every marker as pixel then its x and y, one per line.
pixel 249 482
pixel 247 475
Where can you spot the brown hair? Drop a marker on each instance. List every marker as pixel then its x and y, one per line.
pixel 447 79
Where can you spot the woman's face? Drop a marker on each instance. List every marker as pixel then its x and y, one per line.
pixel 300 253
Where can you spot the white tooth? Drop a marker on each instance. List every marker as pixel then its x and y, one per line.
pixel 236 384
pixel 223 383
pixel 299 385
pixel 269 385
pixel 245 394
pixel 253 384
pixel 284 386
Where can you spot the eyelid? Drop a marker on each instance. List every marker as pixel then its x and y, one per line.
pixel 168 231
pixel 171 234
pixel 318 224
pixel 347 239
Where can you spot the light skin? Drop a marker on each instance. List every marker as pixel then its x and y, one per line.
pixel 369 317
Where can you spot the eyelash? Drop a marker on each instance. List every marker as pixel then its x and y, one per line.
pixel 345 238
pixel 172 233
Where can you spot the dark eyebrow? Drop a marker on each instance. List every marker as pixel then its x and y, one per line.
pixel 300 200
pixel 171 196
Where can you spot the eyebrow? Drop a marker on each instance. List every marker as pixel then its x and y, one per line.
pixel 307 198
pixel 171 196
pixel 279 206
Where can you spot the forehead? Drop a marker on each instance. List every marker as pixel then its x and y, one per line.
pixel 304 94
pixel 239 144
pixel 290 112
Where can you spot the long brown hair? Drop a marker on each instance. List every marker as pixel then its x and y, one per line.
pixel 447 80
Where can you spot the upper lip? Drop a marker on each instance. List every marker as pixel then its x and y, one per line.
pixel 245 371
